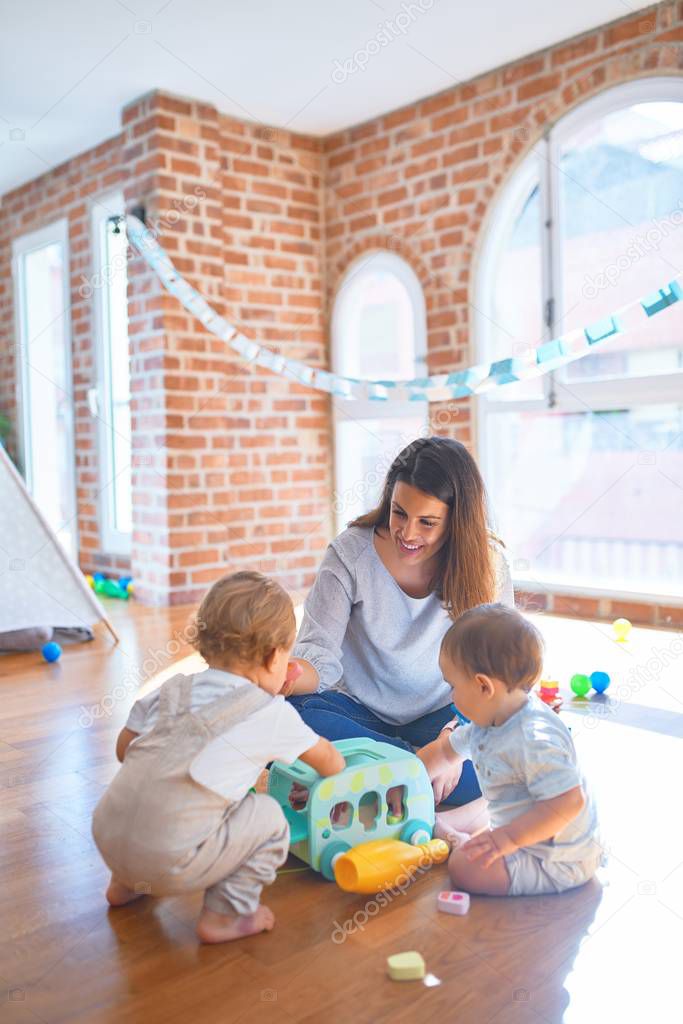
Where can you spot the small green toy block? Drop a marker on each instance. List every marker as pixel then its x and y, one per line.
pixel 406 966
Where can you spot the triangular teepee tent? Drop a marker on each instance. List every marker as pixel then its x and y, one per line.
pixel 39 584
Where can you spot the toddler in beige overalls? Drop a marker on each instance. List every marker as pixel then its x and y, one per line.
pixel 178 816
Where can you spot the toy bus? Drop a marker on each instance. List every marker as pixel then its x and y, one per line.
pixel 383 793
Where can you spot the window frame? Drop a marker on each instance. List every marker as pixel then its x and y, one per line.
pixel 113 540
pixel 561 395
pixel 55 232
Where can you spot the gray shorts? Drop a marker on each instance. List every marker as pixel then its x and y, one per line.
pixel 531 876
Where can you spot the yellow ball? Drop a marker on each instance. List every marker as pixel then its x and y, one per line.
pixel 622 628
pixel 89 580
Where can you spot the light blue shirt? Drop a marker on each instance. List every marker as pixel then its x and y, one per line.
pixel 530 757
pixel 366 637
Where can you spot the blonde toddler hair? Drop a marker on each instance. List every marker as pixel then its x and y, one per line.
pixel 243 617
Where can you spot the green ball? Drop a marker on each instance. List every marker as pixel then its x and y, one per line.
pixel 580 684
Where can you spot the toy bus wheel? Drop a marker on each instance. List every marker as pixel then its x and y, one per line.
pixel 416 832
pixel 328 859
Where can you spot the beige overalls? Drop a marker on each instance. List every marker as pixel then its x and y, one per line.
pixel 161 832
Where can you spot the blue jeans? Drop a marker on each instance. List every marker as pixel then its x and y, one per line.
pixel 337 717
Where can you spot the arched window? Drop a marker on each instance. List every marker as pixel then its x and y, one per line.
pixel 378 333
pixel 585 465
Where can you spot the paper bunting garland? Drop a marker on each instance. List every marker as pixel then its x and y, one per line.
pixel 534 362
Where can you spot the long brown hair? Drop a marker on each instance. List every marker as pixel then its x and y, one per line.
pixel 444 469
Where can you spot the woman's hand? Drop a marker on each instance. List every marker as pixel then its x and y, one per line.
pixel 443 765
pixel 488 847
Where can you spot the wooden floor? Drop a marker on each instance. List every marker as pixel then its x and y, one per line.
pixel 607 952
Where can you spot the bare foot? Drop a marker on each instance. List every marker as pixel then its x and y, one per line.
pixel 213 927
pixel 119 894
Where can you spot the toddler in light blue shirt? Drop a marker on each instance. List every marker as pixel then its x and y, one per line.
pixel 541 834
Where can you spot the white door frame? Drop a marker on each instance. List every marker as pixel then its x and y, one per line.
pixel 113 541
pixel 57 231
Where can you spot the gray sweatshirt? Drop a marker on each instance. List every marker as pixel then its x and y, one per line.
pixel 367 638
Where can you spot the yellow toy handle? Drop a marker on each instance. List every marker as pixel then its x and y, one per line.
pixel 385 863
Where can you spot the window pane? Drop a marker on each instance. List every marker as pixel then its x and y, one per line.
pixel 47 390
pixel 123 510
pixel 117 307
pixel 621 183
pixel 365 450
pixel 514 312
pixel 591 499
pixel 377 325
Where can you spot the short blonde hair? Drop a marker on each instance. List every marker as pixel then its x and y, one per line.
pixel 496 641
pixel 244 617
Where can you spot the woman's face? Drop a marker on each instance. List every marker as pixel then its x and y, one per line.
pixel 418 523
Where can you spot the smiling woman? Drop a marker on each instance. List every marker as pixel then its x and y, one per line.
pixel 388 589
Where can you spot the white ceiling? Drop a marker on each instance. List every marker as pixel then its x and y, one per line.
pixel 67 67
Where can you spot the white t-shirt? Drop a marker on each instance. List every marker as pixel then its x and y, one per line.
pixel 231 764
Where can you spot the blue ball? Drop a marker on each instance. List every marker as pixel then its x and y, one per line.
pixel 600 681
pixel 51 651
pixel 124 581
pixel 98 576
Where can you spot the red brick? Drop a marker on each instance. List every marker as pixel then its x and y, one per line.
pixel 574 50
pixel 527 601
pixel 517 72
pixel 635 611
pixel 670 616
pixel 582 607
pixel 538 86
pixel 630 28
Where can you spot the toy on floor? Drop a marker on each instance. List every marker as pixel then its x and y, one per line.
pixel 51 651
pixel 121 588
pixel 548 690
pixel 581 684
pixel 600 681
pixel 337 813
pixel 382 863
pixel 110 588
pixel 621 629
pixel 406 966
pixel 452 902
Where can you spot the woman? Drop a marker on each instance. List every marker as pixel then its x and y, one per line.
pixel 388 589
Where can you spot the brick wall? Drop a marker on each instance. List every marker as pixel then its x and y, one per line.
pixel 232 466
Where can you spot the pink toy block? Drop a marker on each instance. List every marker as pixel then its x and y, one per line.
pixel 453 902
